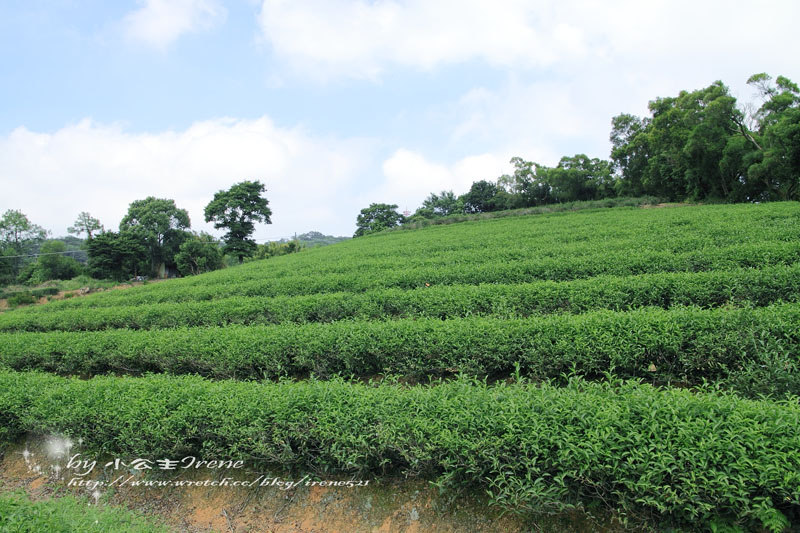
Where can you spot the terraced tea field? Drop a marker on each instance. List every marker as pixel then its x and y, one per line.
pixel 642 362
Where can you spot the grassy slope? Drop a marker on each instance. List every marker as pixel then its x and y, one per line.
pixel 67 514
pixel 548 294
pixel 682 294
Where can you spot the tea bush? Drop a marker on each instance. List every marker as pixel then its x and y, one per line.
pixel 684 344
pixel 666 456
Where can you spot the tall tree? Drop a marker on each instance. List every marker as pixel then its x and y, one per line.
pixel 440 205
pixel 777 142
pixel 117 256
pixel 162 226
pixel 377 217
pixel 85 223
pixel 676 153
pixel 18 233
pixel 526 187
pixel 199 254
pixel 18 236
pixel 237 210
pixel 579 178
pixel 481 197
pixel 629 153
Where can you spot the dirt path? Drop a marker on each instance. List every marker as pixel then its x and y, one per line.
pixel 379 507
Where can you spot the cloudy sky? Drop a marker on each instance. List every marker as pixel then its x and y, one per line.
pixel 337 104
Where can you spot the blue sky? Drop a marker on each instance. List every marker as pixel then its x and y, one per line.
pixel 336 104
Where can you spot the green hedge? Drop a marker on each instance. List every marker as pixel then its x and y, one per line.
pixel 752 350
pixel 360 277
pixel 706 289
pixel 670 456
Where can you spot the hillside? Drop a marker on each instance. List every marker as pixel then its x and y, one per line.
pixel 531 323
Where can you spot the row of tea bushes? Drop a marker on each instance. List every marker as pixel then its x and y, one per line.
pixel 359 278
pixel 753 349
pixel 706 289
pixel 665 456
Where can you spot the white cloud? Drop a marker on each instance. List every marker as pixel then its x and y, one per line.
pixel 362 39
pixel 159 23
pixel 99 168
pixel 409 177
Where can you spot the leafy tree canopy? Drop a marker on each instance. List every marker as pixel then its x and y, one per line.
pixel 85 223
pixel 237 210
pixel 117 256
pixel 18 233
pixel 160 224
pixel 441 205
pixel 199 254
pixel 482 197
pixel 377 217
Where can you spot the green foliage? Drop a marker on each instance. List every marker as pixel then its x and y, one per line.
pixel 377 217
pixel 117 256
pixel 483 196
pixel 698 145
pixel 160 226
pixel 668 456
pixel 199 254
pixel 686 345
pixel 440 205
pixel 85 223
pixel 278 248
pixel 557 247
pixel 67 514
pixel 18 237
pixel 742 287
pixel 17 232
pixel 53 265
pixel 777 164
pixel 580 178
pixel 699 300
pixel 237 210
pixel 315 238
pixel 21 298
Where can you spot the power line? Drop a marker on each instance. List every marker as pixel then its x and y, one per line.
pixel 47 253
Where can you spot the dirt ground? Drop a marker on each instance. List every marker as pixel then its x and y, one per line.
pixel 76 293
pixel 382 506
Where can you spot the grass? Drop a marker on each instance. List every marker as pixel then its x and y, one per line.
pixel 68 514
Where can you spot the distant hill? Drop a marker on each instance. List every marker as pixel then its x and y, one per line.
pixel 314 238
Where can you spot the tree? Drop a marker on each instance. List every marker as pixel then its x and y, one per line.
pixel 85 223
pixel 676 153
pixel 18 233
pixel 117 256
pixel 776 164
pixel 441 205
pixel 51 264
pixel 18 236
pixel 237 210
pixel 276 248
pixel 526 187
pixel 482 197
pixel 199 254
pixel 162 227
pixel 629 153
pixel 579 178
pixel 377 217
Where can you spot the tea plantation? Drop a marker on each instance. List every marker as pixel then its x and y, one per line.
pixel 644 362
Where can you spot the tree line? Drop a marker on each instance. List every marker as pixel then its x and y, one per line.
pixel 697 146
pixel 154 239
